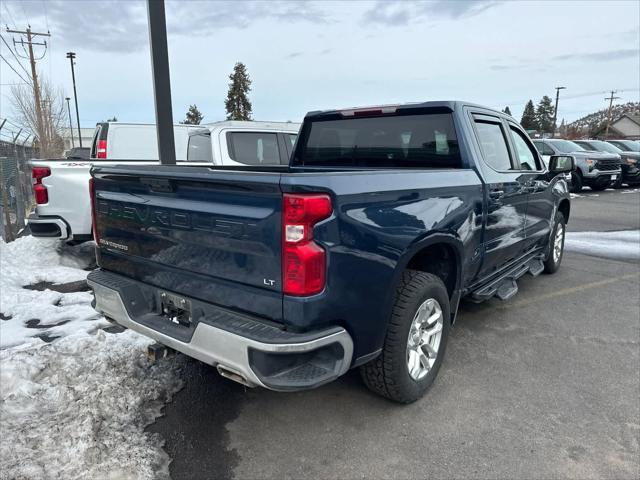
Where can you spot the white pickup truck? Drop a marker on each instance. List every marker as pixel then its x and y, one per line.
pixel 61 187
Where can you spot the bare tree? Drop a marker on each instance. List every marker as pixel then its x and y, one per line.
pixel 49 140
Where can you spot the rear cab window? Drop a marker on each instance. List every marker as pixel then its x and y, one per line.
pixel 426 140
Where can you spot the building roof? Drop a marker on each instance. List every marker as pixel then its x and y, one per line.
pixel 634 118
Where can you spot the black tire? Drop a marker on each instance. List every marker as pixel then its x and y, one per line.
pixel 576 182
pixel 551 265
pixel 388 374
pixel 599 187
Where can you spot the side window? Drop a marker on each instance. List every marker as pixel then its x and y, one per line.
pixel 526 155
pixel 199 148
pixel 547 150
pixel 292 138
pixel 494 145
pixel 253 148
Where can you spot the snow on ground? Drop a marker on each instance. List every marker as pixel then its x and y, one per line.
pixel 75 406
pixel 622 245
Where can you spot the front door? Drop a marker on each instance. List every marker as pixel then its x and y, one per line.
pixel 540 202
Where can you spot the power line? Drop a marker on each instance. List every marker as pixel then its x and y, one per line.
pixel 16 72
pixel 15 56
pixel 10 15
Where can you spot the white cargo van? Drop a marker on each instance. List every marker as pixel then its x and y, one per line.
pixel 135 141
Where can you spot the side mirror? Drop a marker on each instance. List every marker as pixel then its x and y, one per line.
pixel 561 164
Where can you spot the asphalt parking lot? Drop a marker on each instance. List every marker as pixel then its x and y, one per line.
pixel 546 385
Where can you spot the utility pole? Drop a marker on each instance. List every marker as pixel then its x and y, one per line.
pixel 161 81
pixel 70 124
pixel 611 99
pixel 555 110
pixel 71 56
pixel 34 76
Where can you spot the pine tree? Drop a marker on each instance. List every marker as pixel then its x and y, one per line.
pixel 544 115
pixel 507 110
pixel 529 121
pixel 562 129
pixel 113 119
pixel 237 104
pixel 193 117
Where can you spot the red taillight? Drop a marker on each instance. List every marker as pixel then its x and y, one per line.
pixel 101 151
pixel 303 260
pixel 39 190
pixel 92 195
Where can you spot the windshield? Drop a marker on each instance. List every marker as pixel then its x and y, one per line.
pixel 410 141
pixel 605 147
pixel 565 146
pixel 627 145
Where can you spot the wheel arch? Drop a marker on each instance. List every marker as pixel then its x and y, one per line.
pixel 439 254
pixel 564 207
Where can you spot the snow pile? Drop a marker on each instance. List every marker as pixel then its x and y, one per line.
pixel 29 260
pixel 75 407
pixel 616 245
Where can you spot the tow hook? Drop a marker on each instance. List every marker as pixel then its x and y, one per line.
pixel 157 351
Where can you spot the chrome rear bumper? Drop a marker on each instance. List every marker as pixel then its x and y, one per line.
pixel 284 365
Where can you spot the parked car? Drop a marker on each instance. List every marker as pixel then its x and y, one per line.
pixel 78 153
pixel 61 187
pixel 135 141
pixel 593 169
pixel 628 160
pixel 355 255
pixel 626 145
pixel 243 143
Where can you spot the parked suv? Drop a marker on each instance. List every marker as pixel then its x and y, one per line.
pixel 593 169
pixel 629 160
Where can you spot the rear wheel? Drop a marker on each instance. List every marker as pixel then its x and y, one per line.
pixel 599 187
pixel 576 182
pixel 416 340
pixel 556 247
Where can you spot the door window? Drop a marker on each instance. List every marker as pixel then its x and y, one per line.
pixel 253 148
pixel 526 155
pixel 494 145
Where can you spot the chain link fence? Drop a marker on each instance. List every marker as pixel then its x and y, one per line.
pixel 16 199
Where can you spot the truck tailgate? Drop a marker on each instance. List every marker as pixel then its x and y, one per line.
pixel 207 234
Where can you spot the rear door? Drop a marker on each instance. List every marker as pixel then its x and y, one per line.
pixel 504 238
pixel 207 234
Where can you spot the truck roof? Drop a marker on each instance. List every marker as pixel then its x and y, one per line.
pixel 449 105
pixel 252 124
pixel 292 127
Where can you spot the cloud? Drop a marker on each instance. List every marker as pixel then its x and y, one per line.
pixel 400 13
pixel 121 26
pixel 600 56
pixel 105 25
pixel 212 16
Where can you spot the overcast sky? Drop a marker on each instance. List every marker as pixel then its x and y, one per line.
pixel 306 56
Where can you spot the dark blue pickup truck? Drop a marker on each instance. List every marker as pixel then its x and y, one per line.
pixel 355 255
